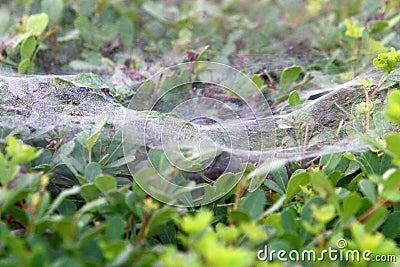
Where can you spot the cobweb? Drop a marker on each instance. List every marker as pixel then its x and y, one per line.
pixel 220 103
pixel 203 113
pixel 204 119
pixel 238 118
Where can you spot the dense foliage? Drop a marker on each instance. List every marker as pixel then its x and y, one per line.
pixel 74 203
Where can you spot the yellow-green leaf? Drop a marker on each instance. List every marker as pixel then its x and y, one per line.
pixel 37 23
pixel 28 48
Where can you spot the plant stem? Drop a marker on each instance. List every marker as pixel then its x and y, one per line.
pixel 383 79
pixel 143 230
pixel 8 62
pixel 36 206
pixel 369 212
pixel 239 192
pixel 306 80
pixel 309 163
pixel 131 227
pixel 271 81
pixel 367 121
pixel 367 98
pixel 305 145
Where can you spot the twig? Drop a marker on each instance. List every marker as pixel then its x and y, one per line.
pixel 143 230
pixel 8 62
pixel 308 164
pixel 239 192
pixel 36 204
pixel 377 87
pixel 369 212
pixel 306 80
pixel 305 143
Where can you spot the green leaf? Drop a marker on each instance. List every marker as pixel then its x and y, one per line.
pixel 386 163
pixel 334 162
pixel 382 125
pixel 26 66
pixel 376 219
pixel 324 213
pixel 44 160
pixel 294 98
pixel 96 131
pixel 91 80
pixel 354 29
pixel 288 220
pixel 82 23
pixel 391 186
pixel 126 32
pixel 392 110
pixel 160 161
pixel 168 235
pixel 254 203
pixel 106 183
pixel 194 224
pixel 374 47
pixel 377 26
pixel 394 76
pixel 131 201
pixel 20 214
pixel 63 152
pixel 391 227
pixel 280 175
pixel 237 216
pixel 101 121
pixel 90 192
pixel 224 184
pixel 67 208
pixel 91 141
pixel 297 180
pixel 388 62
pixel 369 163
pixel 20 152
pixel 258 175
pixel 160 217
pixel 54 9
pixel 28 48
pixel 91 206
pixel 351 204
pixel 92 170
pixel 60 198
pixel 120 162
pixel 37 23
pixel 257 80
pixel 202 52
pixel 275 207
pixel 392 143
pixel 289 76
pixel 368 189
pixel 324 187
pixel 37 257
pixel 115 227
pixel 306 216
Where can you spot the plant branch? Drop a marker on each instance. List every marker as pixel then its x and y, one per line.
pixel 369 212
pixel 381 82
